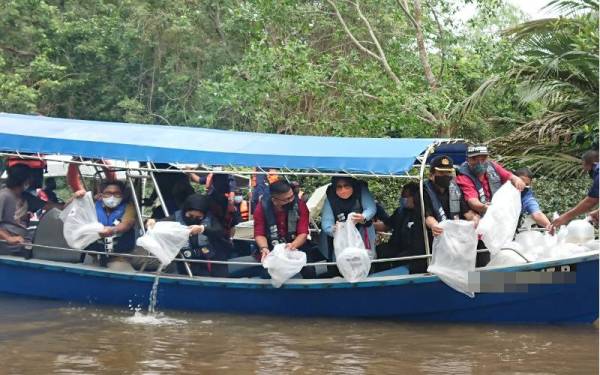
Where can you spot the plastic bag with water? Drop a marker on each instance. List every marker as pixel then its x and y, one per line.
pixel 351 257
pixel 498 225
pixel 579 232
pixel 454 254
pixel 165 240
pixel 282 264
pixel 81 227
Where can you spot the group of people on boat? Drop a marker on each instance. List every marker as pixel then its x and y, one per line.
pixel 280 212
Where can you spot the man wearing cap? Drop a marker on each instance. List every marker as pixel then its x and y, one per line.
pixel 443 198
pixel 479 178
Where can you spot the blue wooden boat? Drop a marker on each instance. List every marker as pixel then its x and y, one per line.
pixel 562 291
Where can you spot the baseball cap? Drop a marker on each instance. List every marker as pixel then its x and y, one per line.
pixel 476 150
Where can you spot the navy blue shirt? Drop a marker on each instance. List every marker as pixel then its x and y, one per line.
pixel 593 193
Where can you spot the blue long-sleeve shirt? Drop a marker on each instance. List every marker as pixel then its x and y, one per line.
pixel 328 223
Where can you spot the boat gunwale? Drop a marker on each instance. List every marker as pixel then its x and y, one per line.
pixel 374 281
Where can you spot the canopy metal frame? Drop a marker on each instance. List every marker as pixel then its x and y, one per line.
pixel 148 173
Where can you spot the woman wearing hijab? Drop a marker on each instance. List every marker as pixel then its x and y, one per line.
pixel 208 239
pixel 348 199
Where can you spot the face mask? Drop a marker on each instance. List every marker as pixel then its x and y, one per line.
pixel 111 202
pixel 192 220
pixel 525 191
pixel 403 202
pixel 238 199
pixel 478 169
pixel 591 173
pixel 443 181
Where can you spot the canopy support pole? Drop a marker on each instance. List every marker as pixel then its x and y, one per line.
pixel 152 167
pixel 421 177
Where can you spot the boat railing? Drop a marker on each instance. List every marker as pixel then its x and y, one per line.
pixel 205 261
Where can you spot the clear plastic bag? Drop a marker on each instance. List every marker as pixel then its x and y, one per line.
pixel 354 264
pixel 81 226
pixel 351 256
pixel 579 232
pixel 164 240
pixel 282 264
pixel 346 235
pixel 454 254
pixel 498 225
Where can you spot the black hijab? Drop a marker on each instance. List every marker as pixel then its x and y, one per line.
pixel 340 205
pixel 197 202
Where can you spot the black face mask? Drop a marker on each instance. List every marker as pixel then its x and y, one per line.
pixel 443 181
pixel 192 220
pixel 524 191
pixel 591 173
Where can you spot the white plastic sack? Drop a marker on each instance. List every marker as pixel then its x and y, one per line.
pixel 593 245
pixel 316 201
pixel 81 226
pixel 346 235
pixel 498 225
pixel 506 257
pixel 454 254
pixel 352 258
pixel 282 264
pixel 579 232
pixel 354 264
pixel 164 240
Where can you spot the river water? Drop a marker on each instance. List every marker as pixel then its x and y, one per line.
pixel 50 337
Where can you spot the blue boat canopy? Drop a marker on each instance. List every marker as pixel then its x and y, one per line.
pixel 178 144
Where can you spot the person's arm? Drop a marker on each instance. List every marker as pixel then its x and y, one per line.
pixel 327 219
pixel 368 204
pixel 473 216
pixel 260 237
pixel 477 206
pixel 541 220
pixel 434 225
pixel 10 239
pixel 380 226
pixel 584 206
pixel 508 176
pixel 594 217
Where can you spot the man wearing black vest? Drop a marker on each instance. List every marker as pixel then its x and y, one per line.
pixel 442 197
pixel 283 219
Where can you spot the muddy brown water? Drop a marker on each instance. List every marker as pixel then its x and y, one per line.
pixel 52 337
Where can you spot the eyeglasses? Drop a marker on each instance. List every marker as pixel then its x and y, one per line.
pixel 109 194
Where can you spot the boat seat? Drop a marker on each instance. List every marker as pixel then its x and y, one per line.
pixel 396 271
pixel 49 232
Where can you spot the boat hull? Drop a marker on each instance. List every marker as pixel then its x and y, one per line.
pixel 411 298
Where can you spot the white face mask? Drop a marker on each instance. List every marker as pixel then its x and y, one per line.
pixel 111 202
pixel 238 199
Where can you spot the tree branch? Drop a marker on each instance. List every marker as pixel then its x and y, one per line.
pixel 347 30
pixel 404 6
pixel 17 52
pixel 382 56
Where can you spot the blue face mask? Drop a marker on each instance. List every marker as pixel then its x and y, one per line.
pixel 478 169
pixel 403 202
